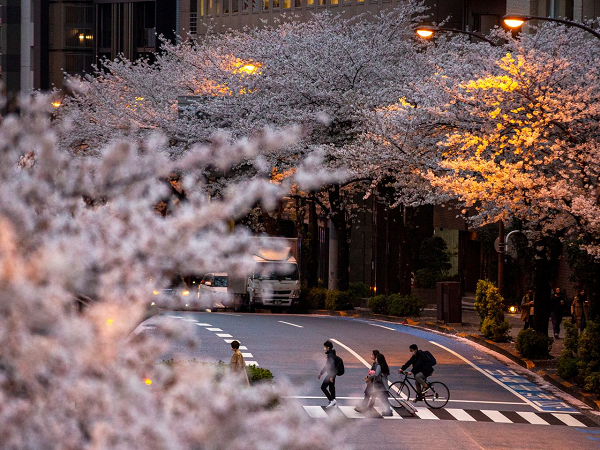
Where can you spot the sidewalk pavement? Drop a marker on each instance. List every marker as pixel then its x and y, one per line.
pixel 469 329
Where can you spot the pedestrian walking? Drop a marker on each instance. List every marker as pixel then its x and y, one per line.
pixel 580 309
pixel 329 373
pixel 558 301
pixel 237 363
pixel 377 385
pixel 527 309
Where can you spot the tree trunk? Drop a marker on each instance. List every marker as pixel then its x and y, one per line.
pixel 313 246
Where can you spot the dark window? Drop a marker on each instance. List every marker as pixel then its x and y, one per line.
pixel 104 26
pixel 145 32
pixel 78 63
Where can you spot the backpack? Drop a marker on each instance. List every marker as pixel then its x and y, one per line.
pixel 339 366
pixel 429 357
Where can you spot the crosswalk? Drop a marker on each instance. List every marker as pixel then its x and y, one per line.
pixel 460 415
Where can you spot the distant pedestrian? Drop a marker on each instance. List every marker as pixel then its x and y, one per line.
pixel 329 371
pixel 580 309
pixel 237 364
pixel 377 385
pixel 527 309
pixel 558 301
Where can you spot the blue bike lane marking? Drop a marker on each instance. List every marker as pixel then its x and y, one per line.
pixel 518 385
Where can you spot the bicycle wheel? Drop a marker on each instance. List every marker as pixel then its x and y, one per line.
pixel 398 391
pixel 437 395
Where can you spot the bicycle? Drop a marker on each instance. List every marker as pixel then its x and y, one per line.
pixel 435 395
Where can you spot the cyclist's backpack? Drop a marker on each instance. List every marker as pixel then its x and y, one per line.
pixel 339 365
pixel 429 357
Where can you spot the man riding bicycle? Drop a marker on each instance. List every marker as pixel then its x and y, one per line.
pixel 421 368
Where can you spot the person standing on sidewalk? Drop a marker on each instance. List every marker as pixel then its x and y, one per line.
pixel 580 309
pixel 329 372
pixel 558 300
pixel 237 363
pixel 527 309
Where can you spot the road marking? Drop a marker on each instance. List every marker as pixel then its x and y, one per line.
pixel 487 402
pixel 229 341
pixel 532 418
pixel 569 420
pixel 224 335
pixel 349 412
pixel 496 416
pixel 228 314
pixel 242 347
pixel 530 403
pixel 189 320
pixel 214 329
pixel 204 324
pixel 292 324
pixel 424 413
pixel 247 355
pixel 321 396
pixel 461 415
pixel 394 415
pixel 356 355
pixel 315 412
pixel 382 326
pixel 175 317
pixel 249 363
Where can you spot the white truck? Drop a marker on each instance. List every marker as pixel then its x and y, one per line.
pixel 275 280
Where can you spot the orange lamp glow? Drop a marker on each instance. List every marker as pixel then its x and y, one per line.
pixel 512 22
pixel 425 32
pixel 148 381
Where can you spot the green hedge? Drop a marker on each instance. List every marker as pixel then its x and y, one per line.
pixel 338 300
pixel 404 305
pixel 489 304
pixel 315 298
pixel 378 304
pixel 532 344
pixel 256 374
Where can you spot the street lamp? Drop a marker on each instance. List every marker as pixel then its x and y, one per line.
pixel 427 31
pixel 517 20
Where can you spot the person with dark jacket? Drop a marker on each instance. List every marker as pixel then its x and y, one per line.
pixel 421 368
pixel 559 301
pixel 580 309
pixel 330 373
pixel 527 308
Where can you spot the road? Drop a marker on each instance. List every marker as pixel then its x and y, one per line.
pixel 491 406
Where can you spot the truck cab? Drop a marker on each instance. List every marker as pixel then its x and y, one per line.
pixel 274 283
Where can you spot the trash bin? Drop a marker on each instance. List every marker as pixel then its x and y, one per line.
pixel 449 308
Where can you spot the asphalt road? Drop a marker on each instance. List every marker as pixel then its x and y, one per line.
pixel 491 406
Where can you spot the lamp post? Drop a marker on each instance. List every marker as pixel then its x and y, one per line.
pixel 517 21
pixel 427 31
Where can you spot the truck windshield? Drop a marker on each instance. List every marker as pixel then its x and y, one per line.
pixel 220 282
pixel 276 271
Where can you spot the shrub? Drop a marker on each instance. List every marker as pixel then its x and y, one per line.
pixel 532 344
pixel 489 304
pixel 315 298
pixel 359 290
pixel 589 357
pixel 567 365
pixel 404 305
pixel 338 300
pixel 256 374
pixel 494 329
pixel 378 304
pixel 426 278
pixel 481 293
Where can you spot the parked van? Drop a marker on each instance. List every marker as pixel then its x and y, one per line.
pixel 213 291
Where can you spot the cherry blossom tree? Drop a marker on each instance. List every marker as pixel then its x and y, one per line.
pixel 74 226
pixel 513 132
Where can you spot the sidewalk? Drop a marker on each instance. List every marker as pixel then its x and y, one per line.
pixel 469 329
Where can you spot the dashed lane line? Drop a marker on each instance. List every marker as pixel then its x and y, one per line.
pixel 204 324
pixel 292 324
pixel 356 355
pixel 381 326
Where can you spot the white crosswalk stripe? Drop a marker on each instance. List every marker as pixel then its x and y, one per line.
pixel 461 415
pixel 532 418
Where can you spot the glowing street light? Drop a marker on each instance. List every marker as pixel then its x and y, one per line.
pixel 517 21
pixel 427 31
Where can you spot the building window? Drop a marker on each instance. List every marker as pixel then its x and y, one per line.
pixel 265 4
pixel 287 4
pixel 78 26
pixel 77 64
pixel 145 33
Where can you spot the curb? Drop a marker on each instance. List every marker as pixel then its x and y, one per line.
pixel 556 381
